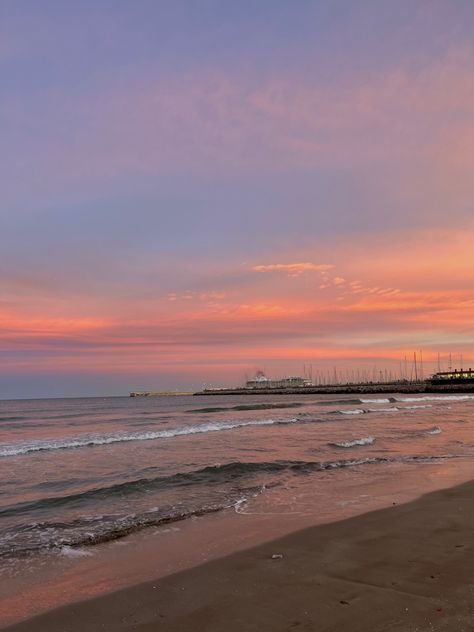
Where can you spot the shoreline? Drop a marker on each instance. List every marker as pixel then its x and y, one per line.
pixel 400 568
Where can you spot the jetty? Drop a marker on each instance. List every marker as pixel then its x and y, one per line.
pixel 347 389
pixel 159 393
pixel 453 381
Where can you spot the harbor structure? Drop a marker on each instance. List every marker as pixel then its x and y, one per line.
pixel 346 381
pixel 262 381
pixel 454 376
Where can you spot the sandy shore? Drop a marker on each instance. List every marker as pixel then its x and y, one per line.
pixel 406 568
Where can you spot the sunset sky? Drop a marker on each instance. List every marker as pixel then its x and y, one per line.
pixel 191 190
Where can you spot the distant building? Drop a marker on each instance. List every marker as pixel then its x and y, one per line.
pixel 259 381
pixel 262 381
pixel 450 376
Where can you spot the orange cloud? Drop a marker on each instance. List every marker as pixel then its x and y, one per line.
pixel 402 302
pixel 293 269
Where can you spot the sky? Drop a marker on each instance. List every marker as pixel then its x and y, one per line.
pixel 194 190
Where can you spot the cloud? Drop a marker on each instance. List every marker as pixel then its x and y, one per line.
pixel 293 269
pixel 207 297
pixel 403 125
pixel 354 287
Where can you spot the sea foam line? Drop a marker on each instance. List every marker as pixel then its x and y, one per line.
pixel 387 409
pixel 434 398
pixel 365 411
pixel 352 443
pixel 17 449
pixel 65 537
pixel 222 474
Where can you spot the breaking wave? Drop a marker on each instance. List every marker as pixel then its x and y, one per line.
pixel 16 449
pixel 416 407
pixel 434 398
pixel 395 400
pixel 387 409
pixel 212 474
pixel 66 536
pixel 365 411
pixel 243 407
pixel 226 485
pixel 434 431
pixel 352 443
pixel 409 434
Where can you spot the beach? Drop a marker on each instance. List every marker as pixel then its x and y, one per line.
pixel 236 316
pixel 408 567
pixel 104 498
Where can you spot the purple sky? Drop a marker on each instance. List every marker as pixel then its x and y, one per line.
pixel 155 154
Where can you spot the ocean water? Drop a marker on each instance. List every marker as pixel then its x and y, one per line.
pixel 78 472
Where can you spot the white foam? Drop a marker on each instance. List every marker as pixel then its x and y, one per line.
pixel 69 551
pixel 375 401
pixel 337 464
pixel 17 449
pixel 361 411
pixel 434 431
pixel 351 443
pixel 416 407
pixel 238 506
pixel 434 398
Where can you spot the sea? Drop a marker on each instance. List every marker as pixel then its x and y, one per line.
pixel 79 474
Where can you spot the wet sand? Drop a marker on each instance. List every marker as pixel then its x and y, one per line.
pixel 406 568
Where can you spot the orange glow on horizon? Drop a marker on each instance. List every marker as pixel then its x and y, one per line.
pixel 282 314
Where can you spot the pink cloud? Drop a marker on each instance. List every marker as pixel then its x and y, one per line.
pixel 407 124
pixel 293 269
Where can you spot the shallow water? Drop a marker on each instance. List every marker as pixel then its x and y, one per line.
pixel 78 473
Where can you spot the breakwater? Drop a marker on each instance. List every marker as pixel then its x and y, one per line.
pixel 159 393
pixel 348 389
